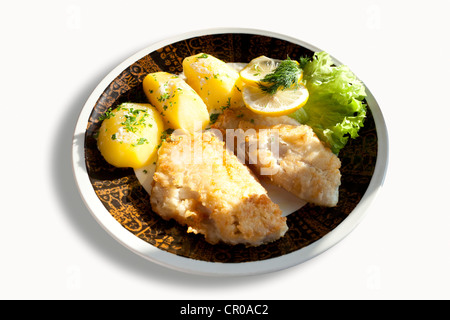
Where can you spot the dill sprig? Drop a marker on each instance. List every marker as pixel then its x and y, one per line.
pixel 285 76
pixel 303 61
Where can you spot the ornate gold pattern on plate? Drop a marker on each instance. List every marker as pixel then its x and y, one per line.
pixel 126 200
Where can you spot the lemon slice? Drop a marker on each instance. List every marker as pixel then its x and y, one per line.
pixel 281 103
pixel 258 68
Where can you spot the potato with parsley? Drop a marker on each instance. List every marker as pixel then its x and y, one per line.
pixel 217 83
pixel 130 134
pixel 177 102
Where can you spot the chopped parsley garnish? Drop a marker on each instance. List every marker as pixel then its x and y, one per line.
pixel 107 115
pixel 227 105
pixel 213 117
pixel 132 119
pixel 163 97
pixel 142 141
pixel 165 134
pixel 202 56
pixel 129 123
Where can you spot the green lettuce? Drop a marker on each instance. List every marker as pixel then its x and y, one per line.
pixel 335 109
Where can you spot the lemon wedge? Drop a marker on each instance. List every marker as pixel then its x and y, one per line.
pixel 258 68
pixel 281 103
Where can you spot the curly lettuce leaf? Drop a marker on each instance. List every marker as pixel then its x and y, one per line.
pixel 335 108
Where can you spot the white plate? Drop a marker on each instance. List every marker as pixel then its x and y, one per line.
pixel 173 261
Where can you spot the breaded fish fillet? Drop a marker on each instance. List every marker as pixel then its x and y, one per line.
pixel 213 193
pixel 286 152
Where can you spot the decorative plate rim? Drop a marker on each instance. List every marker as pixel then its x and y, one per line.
pixel 183 264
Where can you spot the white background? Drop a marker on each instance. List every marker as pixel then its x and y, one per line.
pixel 53 55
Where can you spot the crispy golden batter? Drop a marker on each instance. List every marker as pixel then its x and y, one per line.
pixel 289 154
pixel 215 195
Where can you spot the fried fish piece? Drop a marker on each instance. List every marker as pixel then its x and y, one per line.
pixel 287 153
pixel 213 193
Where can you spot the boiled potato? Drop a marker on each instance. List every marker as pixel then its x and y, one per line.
pixel 130 134
pixel 178 103
pixel 218 84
